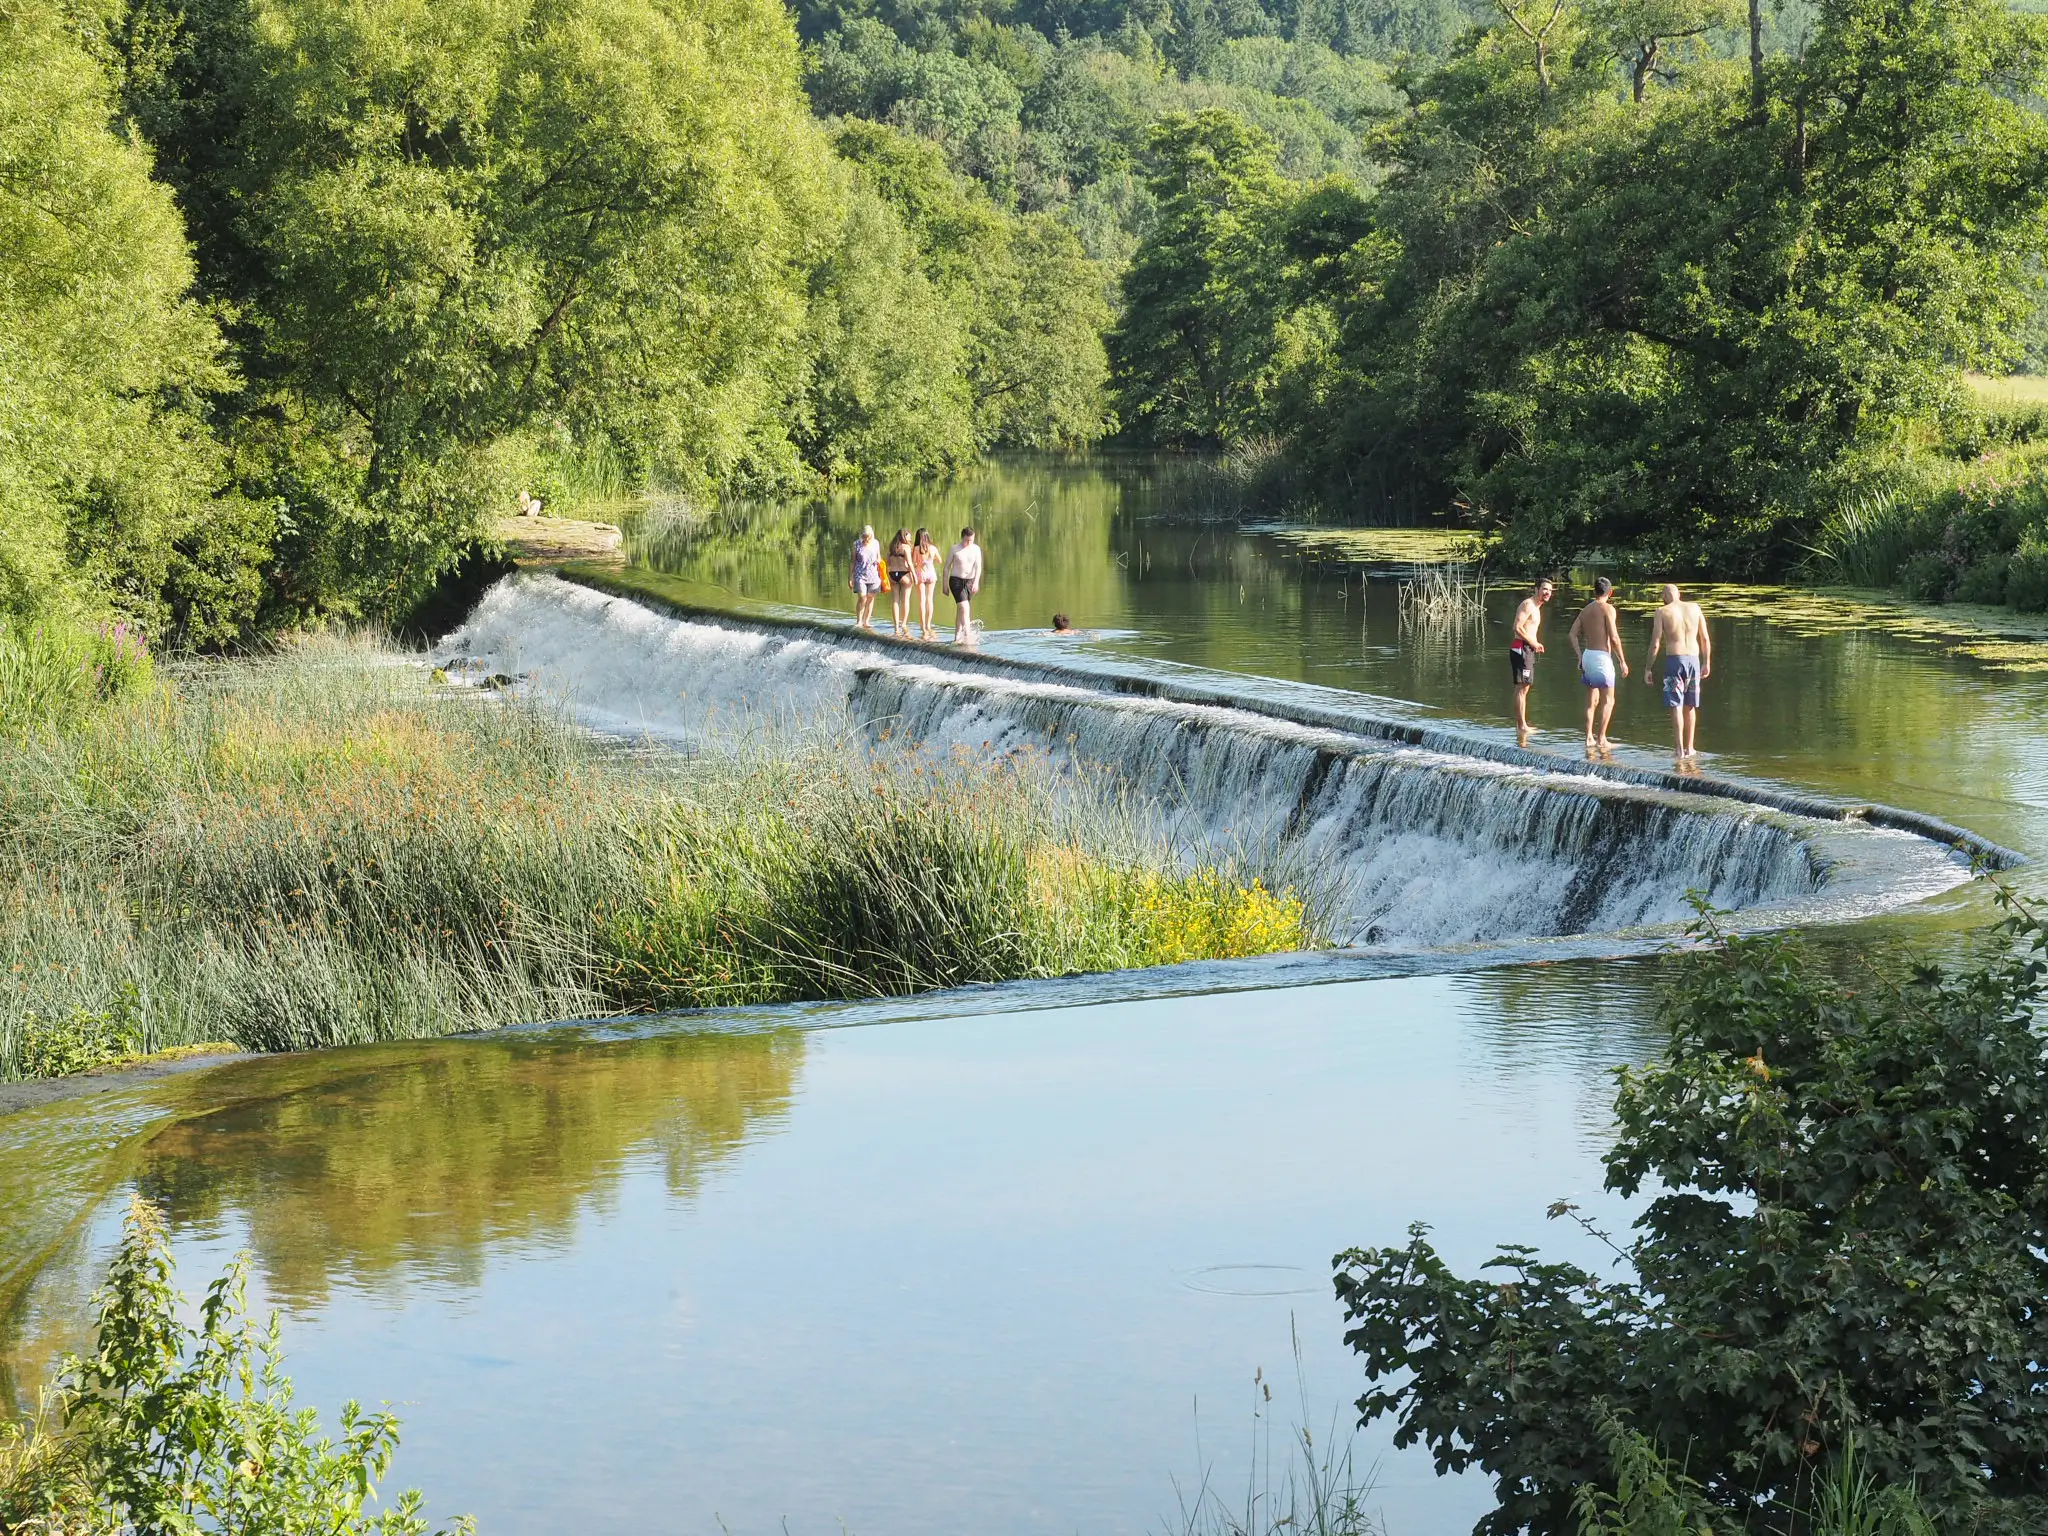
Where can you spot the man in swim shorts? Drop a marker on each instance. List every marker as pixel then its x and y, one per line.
pixel 1680 631
pixel 963 580
pixel 1523 649
pixel 1596 636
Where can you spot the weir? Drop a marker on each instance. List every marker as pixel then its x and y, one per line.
pixel 1425 838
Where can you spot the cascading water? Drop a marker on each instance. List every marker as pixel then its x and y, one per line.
pixel 1424 847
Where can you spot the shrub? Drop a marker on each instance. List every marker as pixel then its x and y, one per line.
pixel 1850 1238
pixel 80 1040
pixel 172 1427
pixel 2026 581
pixel 54 671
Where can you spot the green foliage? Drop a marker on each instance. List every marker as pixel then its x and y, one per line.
pixel 81 1040
pixel 54 671
pixel 1616 293
pixel 1944 531
pixel 176 1427
pixel 109 481
pixel 1852 1180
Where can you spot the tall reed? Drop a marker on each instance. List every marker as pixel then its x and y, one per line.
pixel 323 846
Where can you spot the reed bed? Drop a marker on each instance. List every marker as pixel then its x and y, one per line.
pixel 325 846
pixel 1442 596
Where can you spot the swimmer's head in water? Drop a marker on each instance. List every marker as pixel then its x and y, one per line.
pixel 1059 622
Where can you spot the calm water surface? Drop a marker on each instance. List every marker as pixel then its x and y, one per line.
pixel 971 1262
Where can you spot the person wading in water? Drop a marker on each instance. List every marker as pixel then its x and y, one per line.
pixel 1680 631
pixel 963 580
pixel 924 565
pixel 1596 636
pixel 866 577
pixel 900 581
pixel 1523 649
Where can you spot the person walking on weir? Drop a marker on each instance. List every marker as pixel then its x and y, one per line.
pixel 924 565
pixel 1523 649
pixel 1596 636
pixel 1680 631
pixel 963 580
pixel 901 581
pixel 866 577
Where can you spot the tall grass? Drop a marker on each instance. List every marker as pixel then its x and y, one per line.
pixel 323 846
pixel 1306 1489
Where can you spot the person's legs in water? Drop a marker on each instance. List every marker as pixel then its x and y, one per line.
pixel 864 615
pixel 1606 747
pixel 1522 669
pixel 1682 698
pixel 962 592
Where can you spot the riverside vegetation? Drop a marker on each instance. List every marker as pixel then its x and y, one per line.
pixel 171 1426
pixel 324 846
pixel 1829 1307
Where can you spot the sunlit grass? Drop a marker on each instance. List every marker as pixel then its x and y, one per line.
pixel 2009 389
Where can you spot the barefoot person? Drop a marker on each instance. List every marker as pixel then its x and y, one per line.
pixel 963 580
pixel 900 581
pixel 924 565
pixel 1523 649
pixel 1596 636
pixel 866 577
pixel 1680 631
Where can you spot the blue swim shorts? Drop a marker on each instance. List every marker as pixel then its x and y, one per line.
pixel 1596 669
pixel 1681 682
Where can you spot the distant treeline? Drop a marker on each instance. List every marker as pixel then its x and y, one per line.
pixel 1632 280
pixel 296 295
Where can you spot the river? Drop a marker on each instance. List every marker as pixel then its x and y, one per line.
pixel 1008 1259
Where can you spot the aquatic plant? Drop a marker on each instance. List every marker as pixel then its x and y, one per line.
pixel 1310 1490
pixel 1847 1242
pixel 167 1426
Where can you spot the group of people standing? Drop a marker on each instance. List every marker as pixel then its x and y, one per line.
pixel 910 567
pixel 1678 630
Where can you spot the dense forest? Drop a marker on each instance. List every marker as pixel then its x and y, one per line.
pixel 298 295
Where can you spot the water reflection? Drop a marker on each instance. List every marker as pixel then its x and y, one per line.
pixel 388 1171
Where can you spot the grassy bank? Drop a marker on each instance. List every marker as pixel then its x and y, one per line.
pixel 1966 524
pixel 326 846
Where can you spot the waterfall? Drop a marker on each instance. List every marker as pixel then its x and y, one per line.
pixel 1423 845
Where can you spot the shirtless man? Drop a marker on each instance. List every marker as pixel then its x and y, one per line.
pixel 1523 649
pixel 1596 636
pixel 1680 631
pixel 963 580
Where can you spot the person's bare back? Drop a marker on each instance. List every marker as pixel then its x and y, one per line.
pixel 1679 627
pixel 1680 631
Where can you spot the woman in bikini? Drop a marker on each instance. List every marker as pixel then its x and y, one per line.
pixel 900 580
pixel 924 565
pixel 866 578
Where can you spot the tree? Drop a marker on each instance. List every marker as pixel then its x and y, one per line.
pixel 1657 325
pixel 1191 358
pixel 109 478
pixel 1849 1240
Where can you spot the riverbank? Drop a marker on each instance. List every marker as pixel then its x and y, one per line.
pixel 328 846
